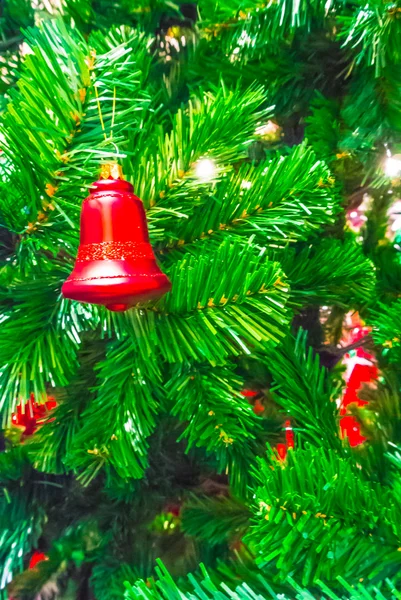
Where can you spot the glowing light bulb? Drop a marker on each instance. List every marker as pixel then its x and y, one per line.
pixel 25 49
pixel 246 184
pixel 205 169
pixel 392 166
pixel 396 226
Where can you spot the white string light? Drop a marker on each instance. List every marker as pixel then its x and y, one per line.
pixel 392 166
pixel 246 184
pixel 205 169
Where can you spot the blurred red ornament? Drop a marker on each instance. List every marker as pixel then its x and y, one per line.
pixel 36 558
pixel 173 509
pixel 32 415
pixel 258 407
pixel 250 393
pixel 361 373
pixel 281 448
pixel 289 435
pixel 351 429
pixel 360 370
pixel 254 398
pixel 115 265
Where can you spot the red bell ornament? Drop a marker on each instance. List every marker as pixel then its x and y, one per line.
pixel 115 265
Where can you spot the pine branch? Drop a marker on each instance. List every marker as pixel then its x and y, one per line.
pixel 80 543
pixel 329 272
pixel 323 129
pixel 285 199
pixel 41 337
pixel 381 424
pixel 222 421
pixel 125 405
pixel 372 33
pixel 386 321
pixel 108 579
pixel 200 282
pixel 16 540
pixel 93 16
pixel 307 519
pixel 54 441
pixel 303 388
pixel 207 587
pixel 373 114
pixel 247 23
pixel 63 156
pixel 215 520
pixel 224 316
pixel 218 124
pixel 21 512
pixel 34 158
pixel 249 287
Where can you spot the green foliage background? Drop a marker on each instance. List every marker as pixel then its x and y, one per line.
pixel 153 453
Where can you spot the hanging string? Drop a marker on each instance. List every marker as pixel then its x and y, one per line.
pixel 108 139
pixel 100 113
pixel 113 112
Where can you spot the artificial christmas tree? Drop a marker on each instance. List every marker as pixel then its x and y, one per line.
pixel 197 446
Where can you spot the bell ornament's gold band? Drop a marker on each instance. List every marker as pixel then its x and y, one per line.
pixel 114 251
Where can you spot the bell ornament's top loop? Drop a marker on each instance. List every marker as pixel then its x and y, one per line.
pixel 111 171
pixel 111 180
